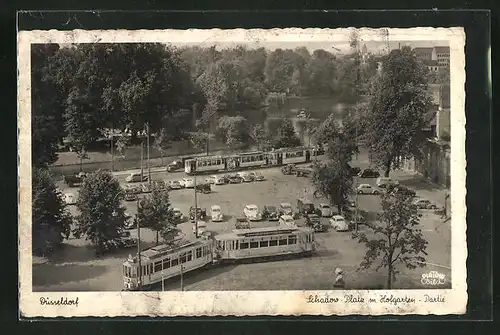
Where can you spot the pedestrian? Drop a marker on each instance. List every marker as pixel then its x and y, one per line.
pixel 339 279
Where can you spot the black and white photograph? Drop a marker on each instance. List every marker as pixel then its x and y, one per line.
pixel 319 164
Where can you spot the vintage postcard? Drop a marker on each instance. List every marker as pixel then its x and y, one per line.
pixel 242 172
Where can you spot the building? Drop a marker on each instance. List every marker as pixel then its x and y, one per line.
pixel 432 65
pixel 440 55
pixel 443 56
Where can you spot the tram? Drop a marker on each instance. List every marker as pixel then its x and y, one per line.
pixel 264 243
pixel 255 159
pixel 163 262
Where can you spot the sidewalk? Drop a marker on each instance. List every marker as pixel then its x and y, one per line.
pixel 423 187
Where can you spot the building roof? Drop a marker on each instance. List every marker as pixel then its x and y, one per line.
pixel 442 50
pixel 423 50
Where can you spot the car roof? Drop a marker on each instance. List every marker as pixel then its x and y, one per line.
pixel 338 217
pixel 323 205
pixel 285 204
pixel 216 206
pixel 364 185
pixel 287 217
pixel 252 206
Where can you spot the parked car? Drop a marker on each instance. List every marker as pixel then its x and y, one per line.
pixel 424 204
pixel 369 173
pixel 339 223
pixel 235 179
pixel 302 113
pixel 216 213
pixel 74 180
pixel 174 184
pixel 285 209
pixel 187 182
pixel 399 189
pixel 130 196
pixel 314 221
pixel 203 188
pixel 135 177
pixel 202 226
pixel 288 169
pixel 70 199
pixel 259 176
pixel 241 223
pixel 367 189
pixel 271 213
pixel 355 170
pixel 287 221
pixel 174 166
pixel 202 213
pixel 252 213
pixel 246 177
pixel 158 184
pixel 178 216
pixel 386 181
pixel 305 207
pixel 326 210
pixel 216 180
pixel 146 188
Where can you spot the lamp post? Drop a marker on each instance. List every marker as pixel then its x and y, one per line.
pixel 195 209
pixel 149 164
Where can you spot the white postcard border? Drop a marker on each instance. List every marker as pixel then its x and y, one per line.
pixel 242 303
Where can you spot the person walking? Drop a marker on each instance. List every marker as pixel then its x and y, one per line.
pixel 339 279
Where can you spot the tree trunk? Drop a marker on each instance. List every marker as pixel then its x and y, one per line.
pixel 81 164
pixel 157 236
pixel 161 153
pixel 387 168
pixel 389 277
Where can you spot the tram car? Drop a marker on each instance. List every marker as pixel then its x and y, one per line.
pixel 252 159
pixel 165 262
pixel 264 243
pixel 207 164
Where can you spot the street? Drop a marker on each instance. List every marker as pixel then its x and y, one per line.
pixel 76 267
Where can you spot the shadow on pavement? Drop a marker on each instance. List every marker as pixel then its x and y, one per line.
pixel 193 277
pixel 417 182
pixel 51 274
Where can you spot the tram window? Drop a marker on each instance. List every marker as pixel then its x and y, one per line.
pixel 182 257
pixel 175 262
pixel 189 255
pixel 198 253
pixel 237 245
pixel 282 241
pixel 244 245
pixel 292 239
pixel 151 268
pixel 273 243
pixel 166 263
pixel 158 266
pixel 264 244
pixel 254 245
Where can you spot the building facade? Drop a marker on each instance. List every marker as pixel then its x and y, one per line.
pixel 440 56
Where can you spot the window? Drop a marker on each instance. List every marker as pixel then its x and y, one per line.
pixel 237 245
pixel 273 243
pixel 166 263
pixel 175 262
pixel 182 257
pixel 198 253
pixel 254 245
pixel 158 266
pixel 292 239
pixel 244 245
pixel 189 255
pixel 282 241
pixel 264 244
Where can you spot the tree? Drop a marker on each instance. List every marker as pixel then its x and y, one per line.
pixel 162 142
pixel 233 130
pixel 51 219
pixel 259 135
pixel 397 112
pixel 286 136
pixel 155 212
pixel 121 144
pixel 397 237
pixel 101 214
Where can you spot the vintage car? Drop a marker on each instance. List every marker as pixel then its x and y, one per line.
pixel 203 188
pixel 146 188
pixel 326 210
pixel 174 166
pixel 285 209
pixel 187 182
pixel 369 173
pixel 288 169
pixel 271 213
pixel 386 181
pixel 247 177
pixel 74 180
pixel 306 207
pixel 202 213
pixel 235 179
pixel 259 176
pixel 286 221
pixel 252 213
pixel 339 223
pixel 215 180
pixel 135 177
pixel 201 227
pixel 424 204
pixel 399 189
pixel 314 221
pixel 216 213
pixel 241 223
pixel 178 216
pixel 173 184
pixel 367 189
pixel 70 198
pixel 130 196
